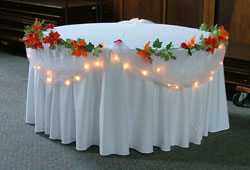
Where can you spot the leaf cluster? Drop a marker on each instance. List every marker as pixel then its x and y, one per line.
pixel 164 53
pixel 29 29
pixel 89 47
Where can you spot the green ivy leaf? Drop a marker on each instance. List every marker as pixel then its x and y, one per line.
pixel 139 49
pixel 158 54
pixel 32 29
pixel 161 53
pixel 89 47
pixel 170 53
pixel 214 33
pixel 203 27
pixel 66 44
pixel 198 47
pixel 40 34
pixel 72 47
pixel 169 46
pixel 201 37
pixel 213 28
pixel 79 40
pixel 68 41
pixel 97 51
pixel 62 42
pixel 173 57
pixel 27 27
pixel 42 22
pixel 157 43
pixel 151 50
pixel 27 32
pixel 166 58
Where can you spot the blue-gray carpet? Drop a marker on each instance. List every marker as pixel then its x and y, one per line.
pixel 22 148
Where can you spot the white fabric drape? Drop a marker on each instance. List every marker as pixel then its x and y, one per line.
pixel 118 110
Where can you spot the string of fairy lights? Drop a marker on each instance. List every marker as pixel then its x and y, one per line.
pixel 99 64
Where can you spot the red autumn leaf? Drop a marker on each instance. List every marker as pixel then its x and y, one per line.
pixel 49 25
pixel 212 42
pixel 37 42
pixel 183 45
pixel 100 45
pixel 53 37
pixel 33 41
pixel 211 50
pixel 119 41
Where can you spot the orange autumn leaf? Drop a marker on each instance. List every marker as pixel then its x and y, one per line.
pixel 191 43
pixel 144 53
pixel 223 31
pixel 36 21
pixel 147 46
pixel 223 37
pixel 80 49
pixel 36 26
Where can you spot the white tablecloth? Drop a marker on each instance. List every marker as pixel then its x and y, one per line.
pixel 118 111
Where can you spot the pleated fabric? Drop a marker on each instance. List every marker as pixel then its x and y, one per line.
pixel 118 111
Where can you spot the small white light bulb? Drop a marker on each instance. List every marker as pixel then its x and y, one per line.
pixel 116 58
pixel 67 82
pixel 49 80
pixel 196 84
pixel 49 73
pixel 77 78
pixel 125 66
pixel 144 72
pixel 97 63
pixel 86 66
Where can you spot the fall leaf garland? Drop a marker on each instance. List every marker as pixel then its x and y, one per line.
pixel 218 36
pixel 34 39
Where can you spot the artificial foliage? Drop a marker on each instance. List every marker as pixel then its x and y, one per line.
pixel 34 38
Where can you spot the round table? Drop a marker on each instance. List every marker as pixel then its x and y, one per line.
pixel 117 109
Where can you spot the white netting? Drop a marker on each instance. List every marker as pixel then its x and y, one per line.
pixel 58 66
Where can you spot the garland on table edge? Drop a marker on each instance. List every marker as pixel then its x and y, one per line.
pixel 163 53
pixel 34 39
pixel 217 37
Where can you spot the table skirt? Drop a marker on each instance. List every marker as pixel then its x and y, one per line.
pixel 118 111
